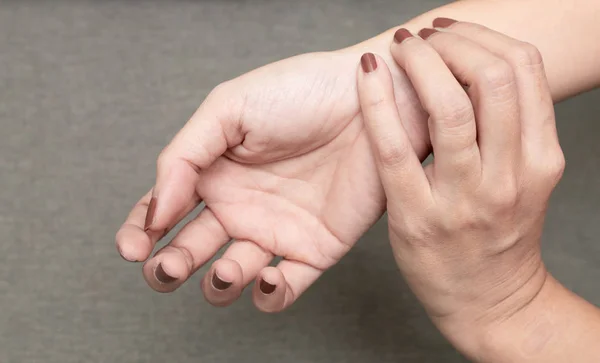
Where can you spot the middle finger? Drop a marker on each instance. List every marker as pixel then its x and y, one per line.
pixel 493 91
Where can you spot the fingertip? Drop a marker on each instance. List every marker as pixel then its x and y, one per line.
pixel 443 22
pixel 125 253
pixel 270 290
pixel 175 266
pixel 166 271
pixel 222 284
pixel 228 270
pixel 251 257
pixel 368 62
pixel 425 33
pixel 163 275
pixel 133 244
pixel 401 35
pixel 376 85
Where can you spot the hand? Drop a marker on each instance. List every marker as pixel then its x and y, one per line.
pixel 465 230
pixel 281 160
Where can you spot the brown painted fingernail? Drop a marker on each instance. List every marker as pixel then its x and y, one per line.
pixel 427 32
pixel 162 276
pixel 150 214
pixel 219 284
pixel 266 287
pixel 368 62
pixel 443 22
pixel 401 35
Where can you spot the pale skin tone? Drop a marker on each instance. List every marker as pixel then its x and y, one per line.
pixel 465 229
pixel 283 161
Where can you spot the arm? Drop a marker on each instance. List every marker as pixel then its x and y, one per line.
pixel 563 31
pixel 557 326
pixel 477 270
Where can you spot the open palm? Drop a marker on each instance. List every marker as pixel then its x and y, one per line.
pixel 282 162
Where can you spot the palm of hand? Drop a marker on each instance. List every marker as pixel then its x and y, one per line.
pixel 309 208
pixel 302 183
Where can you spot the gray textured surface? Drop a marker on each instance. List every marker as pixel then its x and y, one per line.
pixel 91 91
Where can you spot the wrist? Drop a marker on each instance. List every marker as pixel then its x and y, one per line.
pixel 554 326
pixel 379 44
pixel 406 98
pixel 526 332
pixel 490 332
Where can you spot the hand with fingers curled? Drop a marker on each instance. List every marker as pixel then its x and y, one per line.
pixel 280 158
pixel 465 229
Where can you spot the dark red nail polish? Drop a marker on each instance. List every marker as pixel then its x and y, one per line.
pixel 443 22
pixel 220 284
pixel 401 35
pixel 266 287
pixel 427 32
pixel 162 276
pixel 150 214
pixel 368 62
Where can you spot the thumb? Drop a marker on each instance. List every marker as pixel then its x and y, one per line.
pixel 213 129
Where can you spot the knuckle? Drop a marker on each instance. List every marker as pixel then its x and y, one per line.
pixel 455 113
pixel 463 218
pixel 555 166
pixel 218 90
pixel 412 228
pixel 550 166
pixel 228 97
pixel 455 122
pixel 413 53
pixel 503 195
pixel 375 102
pixel 495 76
pixel 392 153
pixel 525 55
pixel 163 159
pixel 560 164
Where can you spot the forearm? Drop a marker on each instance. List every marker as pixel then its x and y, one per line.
pixel 557 326
pixel 563 30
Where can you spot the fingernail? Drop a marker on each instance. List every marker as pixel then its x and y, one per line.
pixel 162 276
pixel 266 287
pixel 443 22
pixel 427 32
pixel 368 62
pixel 401 35
pixel 219 284
pixel 150 214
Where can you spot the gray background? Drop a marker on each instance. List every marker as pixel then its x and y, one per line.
pixel 90 93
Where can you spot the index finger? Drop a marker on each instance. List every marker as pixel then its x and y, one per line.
pixel 451 116
pixel 400 170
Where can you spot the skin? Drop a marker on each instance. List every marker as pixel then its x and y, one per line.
pixel 287 178
pixel 478 271
pixel 281 158
pixel 282 161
